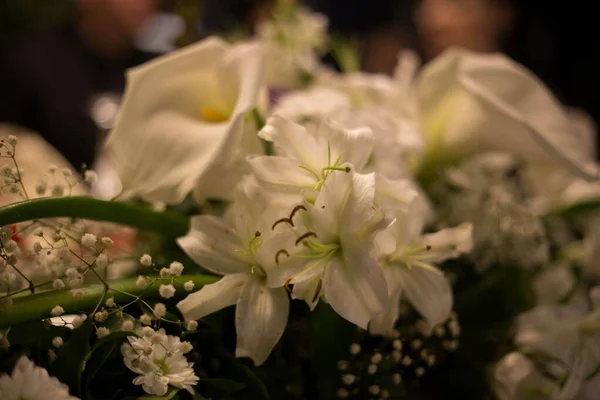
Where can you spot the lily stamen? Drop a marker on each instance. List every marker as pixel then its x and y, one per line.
pixel 305 236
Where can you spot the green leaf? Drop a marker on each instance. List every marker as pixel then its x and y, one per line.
pixel 109 338
pixel 69 364
pixel 581 208
pixel 171 393
pixel 219 387
pixel 210 346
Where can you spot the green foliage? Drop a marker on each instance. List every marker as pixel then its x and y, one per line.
pixel 69 363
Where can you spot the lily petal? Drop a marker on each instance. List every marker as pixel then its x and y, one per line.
pixel 212 245
pixel 356 289
pixel 260 319
pixel 448 243
pixel 281 171
pixel 428 290
pixel 353 146
pixel 291 140
pixel 213 297
pixel 383 324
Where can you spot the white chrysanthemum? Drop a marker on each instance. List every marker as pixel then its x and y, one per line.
pixel 31 382
pixel 160 362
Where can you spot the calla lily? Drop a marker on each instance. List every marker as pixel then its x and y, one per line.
pixel 472 102
pixel 182 119
pixel 407 262
pixel 233 247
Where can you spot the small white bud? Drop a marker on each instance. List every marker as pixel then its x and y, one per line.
pixel 102 260
pixel 78 293
pixel 52 168
pixel 397 344
pixel 416 344
pixel 407 361
pixel 38 232
pixel 127 325
pixel 41 187
pixel 348 379
pixel 146 260
pixel 166 291
pixel 147 331
pixel 185 347
pixel 108 242
pixel 37 247
pixel 51 355
pixel 157 338
pixel 164 273
pixel 342 393
pixel 72 273
pixel 58 190
pixel 376 358
pixel 343 365
pixel 102 332
pixel 374 390
pixel 372 369
pixel 188 286
pixel 354 348
pixel 77 322
pixel 57 342
pixel 12 140
pixel 90 177
pixel 141 283
pixel 101 316
pixel 58 284
pixel 145 319
pixel 420 371
pixel 66 172
pixel 396 356
pixel 110 302
pixel 89 240
pixel 160 310
pixel 397 379
pixel 191 325
pixel 57 311
pixel 384 394
pixel 10 246
pixel 176 268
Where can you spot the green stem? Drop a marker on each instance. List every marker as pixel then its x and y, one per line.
pixel 135 215
pixel 38 306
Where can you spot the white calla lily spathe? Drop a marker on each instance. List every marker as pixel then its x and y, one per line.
pixel 182 120
pixel 233 247
pixel 408 258
pixel 472 102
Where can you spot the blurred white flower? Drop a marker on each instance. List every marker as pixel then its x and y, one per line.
pixel 31 382
pixel 472 102
pixel 201 94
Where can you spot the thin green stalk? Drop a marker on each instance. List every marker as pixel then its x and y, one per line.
pixel 36 307
pixel 168 224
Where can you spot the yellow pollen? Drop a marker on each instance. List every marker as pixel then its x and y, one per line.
pixel 212 115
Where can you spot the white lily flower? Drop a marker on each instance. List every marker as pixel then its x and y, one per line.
pixel 234 247
pixel 333 254
pixel 408 259
pixel 311 105
pixel 182 119
pixel 471 102
pixel 305 161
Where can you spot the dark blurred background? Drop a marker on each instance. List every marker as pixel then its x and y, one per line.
pixel 62 62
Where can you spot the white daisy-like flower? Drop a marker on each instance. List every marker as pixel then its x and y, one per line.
pixel 159 360
pixel 31 382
